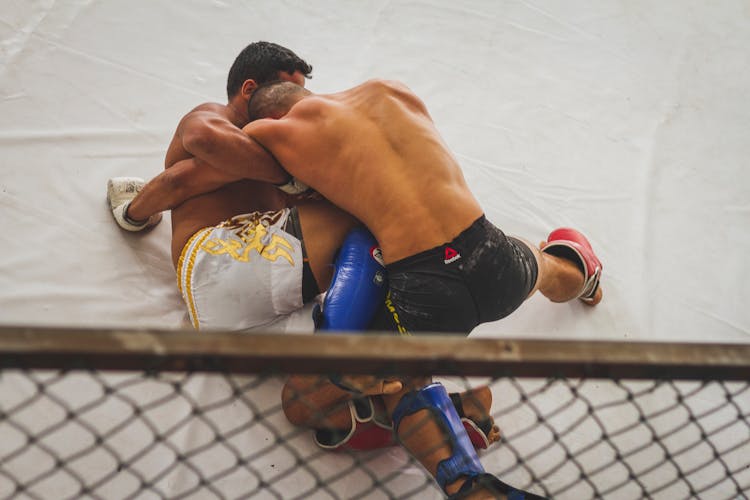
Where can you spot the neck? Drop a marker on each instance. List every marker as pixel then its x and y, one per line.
pixel 238 111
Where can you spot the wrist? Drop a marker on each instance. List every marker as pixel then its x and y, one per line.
pixel 293 186
pixel 131 220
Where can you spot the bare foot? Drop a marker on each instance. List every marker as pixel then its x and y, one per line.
pixel 494 434
pixel 477 404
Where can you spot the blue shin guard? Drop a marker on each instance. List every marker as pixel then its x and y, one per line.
pixel 463 461
pixel 358 285
pixel 357 289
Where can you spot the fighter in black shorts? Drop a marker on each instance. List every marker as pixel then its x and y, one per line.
pixel 480 276
pixel 374 151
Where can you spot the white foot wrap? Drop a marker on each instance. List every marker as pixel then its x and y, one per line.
pixel 293 186
pixel 120 192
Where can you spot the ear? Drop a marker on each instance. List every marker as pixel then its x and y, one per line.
pixel 247 89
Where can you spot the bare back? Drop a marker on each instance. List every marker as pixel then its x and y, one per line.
pixel 209 209
pixel 374 151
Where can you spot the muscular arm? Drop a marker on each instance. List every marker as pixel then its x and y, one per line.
pixel 212 138
pixel 181 181
pixel 221 153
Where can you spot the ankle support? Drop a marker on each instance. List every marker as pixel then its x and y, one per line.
pixel 570 244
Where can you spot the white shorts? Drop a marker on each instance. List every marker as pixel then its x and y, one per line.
pixel 243 273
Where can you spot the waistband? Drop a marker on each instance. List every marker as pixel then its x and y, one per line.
pixel 475 231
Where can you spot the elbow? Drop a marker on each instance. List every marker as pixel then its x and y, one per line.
pixel 199 141
pixel 175 188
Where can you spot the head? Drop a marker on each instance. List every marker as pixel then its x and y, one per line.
pixel 262 62
pixel 274 99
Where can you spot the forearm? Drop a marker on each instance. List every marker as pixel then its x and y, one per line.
pixel 156 196
pixel 230 150
pixel 176 184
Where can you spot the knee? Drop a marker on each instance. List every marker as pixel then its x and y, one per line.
pixel 409 385
pixel 293 402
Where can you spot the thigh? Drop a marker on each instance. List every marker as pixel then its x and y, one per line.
pixel 429 301
pixel 502 275
pixel 385 320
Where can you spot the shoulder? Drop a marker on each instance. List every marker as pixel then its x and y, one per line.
pixel 394 88
pixel 387 84
pixel 302 115
pixel 397 90
pixel 207 111
pixel 262 127
pixel 209 107
pixel 205 115
pixel 307 108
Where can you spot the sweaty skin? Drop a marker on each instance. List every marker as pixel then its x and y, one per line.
pixel 200 195
pixel 235 196
pixel 416 196
pixel 399 179
pixel 374 151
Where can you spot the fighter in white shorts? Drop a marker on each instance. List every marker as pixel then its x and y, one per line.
pixel 262 248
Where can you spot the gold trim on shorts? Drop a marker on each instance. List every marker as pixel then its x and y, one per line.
pixel 187 295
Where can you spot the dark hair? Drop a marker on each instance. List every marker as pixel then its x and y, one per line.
pixel 262 61
pixel 274 99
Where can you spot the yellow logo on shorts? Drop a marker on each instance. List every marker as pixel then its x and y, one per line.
pixel 392 309
pixel 251 237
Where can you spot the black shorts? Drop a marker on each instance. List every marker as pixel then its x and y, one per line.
pixel 480 276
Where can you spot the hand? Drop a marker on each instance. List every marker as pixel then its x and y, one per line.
pixel 120 192
pixel 370 385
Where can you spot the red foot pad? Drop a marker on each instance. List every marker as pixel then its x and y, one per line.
pixel 369 432
pixel 571 244
pixel 369 436
pixel 478 437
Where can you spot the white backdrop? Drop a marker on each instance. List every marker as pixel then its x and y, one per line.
pixel 628 119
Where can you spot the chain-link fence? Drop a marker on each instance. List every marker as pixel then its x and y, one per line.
pixel 178 415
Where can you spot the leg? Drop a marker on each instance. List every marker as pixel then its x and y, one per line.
pixel 424 418
pixel 357 288
pixel 356 294
pixel 358 284
pixel 340 419
pixel 428 426
pixel 312 401
pixel 473 406
pixel 324 227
